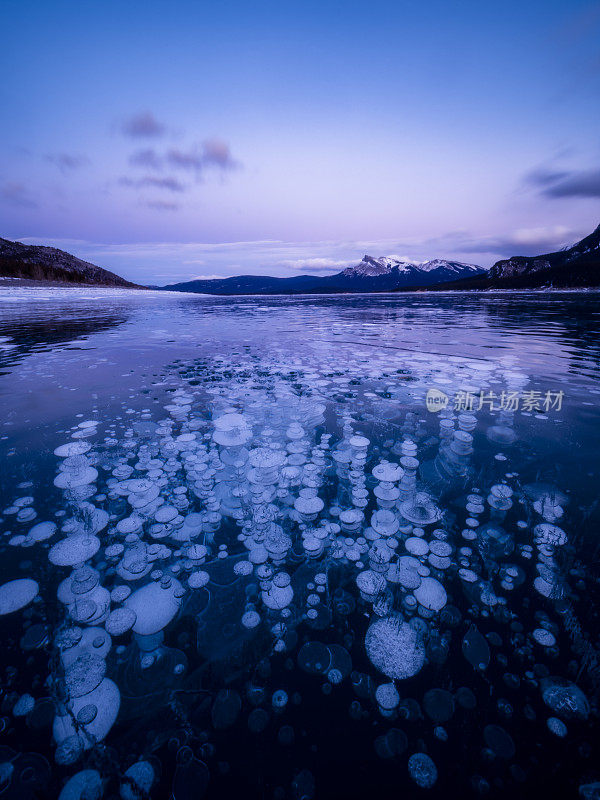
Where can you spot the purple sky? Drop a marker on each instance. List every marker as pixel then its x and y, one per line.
pixel 167 141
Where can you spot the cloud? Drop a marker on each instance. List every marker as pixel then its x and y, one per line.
pixel 557 184
pixel 67 162
pixel 522 241
pixel 161 205
pixel 174 261
pixel 150 181
pixel 217 153
pixel 315 264
pixel 143 125
pixel 16 194
pixel 148 158
pixel 544 177
pixel 211 153
pixel 190 160
pixel 579 184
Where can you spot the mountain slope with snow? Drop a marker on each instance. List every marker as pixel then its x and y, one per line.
pixel 578 265
pixel 574 267
pixel 34 262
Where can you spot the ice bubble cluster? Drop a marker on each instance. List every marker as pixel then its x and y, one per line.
pixel 154 605
pixel 422 770
pixel 17 594
pixel 85 785
pixel 565 698
pixel 395 647
pixel 258 526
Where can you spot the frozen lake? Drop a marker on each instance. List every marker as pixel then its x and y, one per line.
pixel 273 547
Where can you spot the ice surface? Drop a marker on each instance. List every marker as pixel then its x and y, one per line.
pixel 256 507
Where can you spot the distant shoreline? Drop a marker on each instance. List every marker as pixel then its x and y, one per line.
pixel 25 283
pixel 30 283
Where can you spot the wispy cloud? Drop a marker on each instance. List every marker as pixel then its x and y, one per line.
pixel 161 205
pixel 17 194
pixel 521 241
pixel 185 159
pixel 143 125
pixel 148 158
pixel 557 184
pixel 315 264
pixel 150 181
pixel 210 153
pixel 173 261
pixel 67 162
pixel 217 153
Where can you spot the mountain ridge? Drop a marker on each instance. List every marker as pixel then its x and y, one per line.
pixel 41 263
pixel 385 264
pixel 382 274
pixel 573 267
pixel 584 252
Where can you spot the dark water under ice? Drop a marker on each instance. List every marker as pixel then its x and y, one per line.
pixel 264 686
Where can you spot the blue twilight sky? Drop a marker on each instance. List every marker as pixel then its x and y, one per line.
pixel 169 140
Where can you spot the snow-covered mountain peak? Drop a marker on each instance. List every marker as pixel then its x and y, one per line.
pixel 370 266
pixel 385 265
pixel 450 266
